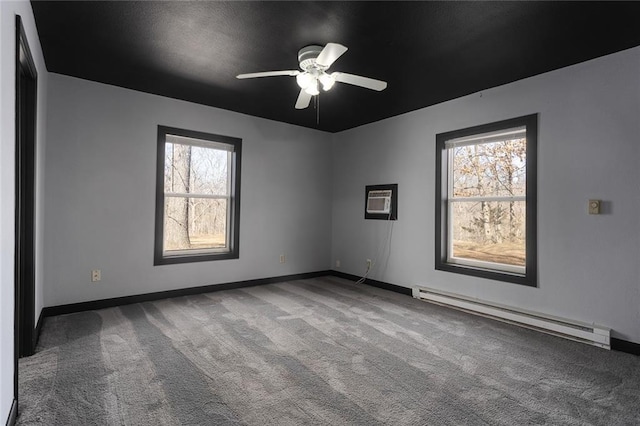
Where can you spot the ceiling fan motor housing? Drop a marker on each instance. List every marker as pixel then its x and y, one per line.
pixel 307 57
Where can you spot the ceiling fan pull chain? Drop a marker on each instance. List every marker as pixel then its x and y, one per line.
pixel 317 109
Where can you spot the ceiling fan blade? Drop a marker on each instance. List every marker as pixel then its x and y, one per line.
pixel 290 73
pixel 356 80
pixel 330 53
pixel 303 100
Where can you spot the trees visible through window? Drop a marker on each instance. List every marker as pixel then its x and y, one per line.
pixel 486 207
pixel 198 196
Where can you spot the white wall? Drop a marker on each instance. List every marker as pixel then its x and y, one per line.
pixel 100 194
pixel 589 125
pixel 8 11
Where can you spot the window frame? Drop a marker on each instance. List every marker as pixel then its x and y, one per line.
pixel 233 219
pixel 442 211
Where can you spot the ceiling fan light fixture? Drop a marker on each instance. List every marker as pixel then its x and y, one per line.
pixel 327 81
pixel 304 80
pixel 312 89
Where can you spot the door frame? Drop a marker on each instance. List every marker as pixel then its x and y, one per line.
pixel 25 156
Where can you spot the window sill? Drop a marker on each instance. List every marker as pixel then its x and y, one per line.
pixel 522 279
pixel 190 258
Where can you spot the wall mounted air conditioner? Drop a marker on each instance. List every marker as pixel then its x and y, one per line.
pixel 381 202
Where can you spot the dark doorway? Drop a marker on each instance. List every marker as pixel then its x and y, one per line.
pixel 26 102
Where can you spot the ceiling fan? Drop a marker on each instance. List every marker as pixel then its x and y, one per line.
pixel 314 62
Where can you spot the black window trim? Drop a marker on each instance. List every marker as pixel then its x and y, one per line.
pixel 234 239
pixel 530 277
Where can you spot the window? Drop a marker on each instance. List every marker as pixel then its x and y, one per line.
pixel 197 196
pixel 486 201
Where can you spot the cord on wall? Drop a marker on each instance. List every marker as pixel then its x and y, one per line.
pixel 381 251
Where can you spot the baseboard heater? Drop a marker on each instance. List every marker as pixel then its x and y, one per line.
pixel 581 332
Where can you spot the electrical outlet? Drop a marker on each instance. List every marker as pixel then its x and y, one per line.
pixel 337 263
pixel 369 263
pixel 96 275
pixel 282 258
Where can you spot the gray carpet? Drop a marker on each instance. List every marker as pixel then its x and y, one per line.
pixel 323 351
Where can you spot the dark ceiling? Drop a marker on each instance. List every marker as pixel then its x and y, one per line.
pixel 428 52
